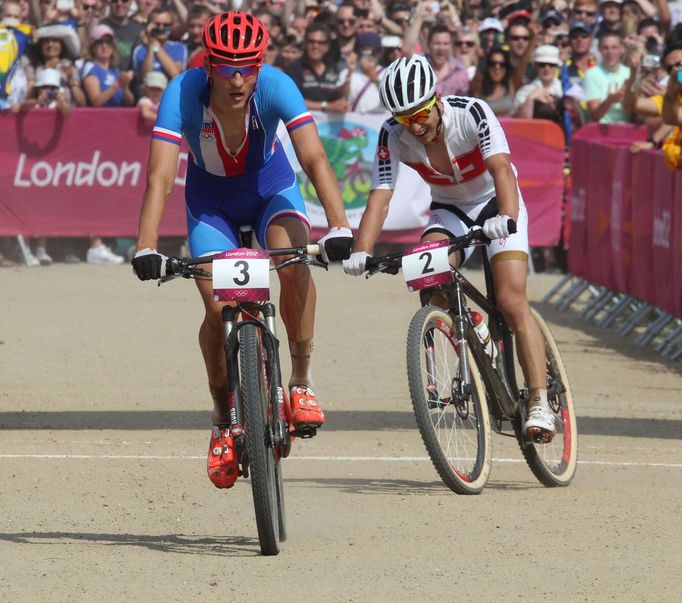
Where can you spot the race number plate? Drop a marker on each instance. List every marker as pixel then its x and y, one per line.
pixel 427 265
pixel 241 275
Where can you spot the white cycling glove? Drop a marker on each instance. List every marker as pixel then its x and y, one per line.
pixel 496 228
pixel 149 264
pixel 355 264
pixel 336 244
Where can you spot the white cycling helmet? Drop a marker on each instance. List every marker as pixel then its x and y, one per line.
pixel 407 83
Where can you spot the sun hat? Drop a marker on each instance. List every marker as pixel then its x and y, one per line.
pixel 490 23
pixel 67 35
pixel 101 30
pixel 156 79
pixel 547 54
pixel 48 77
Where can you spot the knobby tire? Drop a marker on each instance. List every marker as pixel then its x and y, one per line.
pixel 554 464
pixel 262 470
pixel 457 434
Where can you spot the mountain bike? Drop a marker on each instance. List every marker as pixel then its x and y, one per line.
pixel 258 403
pixel 463 388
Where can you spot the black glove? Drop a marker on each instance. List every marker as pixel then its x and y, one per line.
pixel 149 264
pixel 336 245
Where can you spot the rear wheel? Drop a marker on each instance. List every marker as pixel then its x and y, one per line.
pixel 452 415
pixel 265 483
pixel 555 463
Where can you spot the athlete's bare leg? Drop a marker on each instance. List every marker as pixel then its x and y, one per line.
pixel 510 277
pixel 297 297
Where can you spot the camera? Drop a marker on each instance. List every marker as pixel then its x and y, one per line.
pixel 51 94
pixel 362 13
pixel 65 4
pixel 650 62
pixel 159 32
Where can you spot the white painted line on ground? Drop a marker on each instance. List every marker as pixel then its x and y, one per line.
pixel 388 459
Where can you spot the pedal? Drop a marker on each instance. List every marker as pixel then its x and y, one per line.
pixel 305 432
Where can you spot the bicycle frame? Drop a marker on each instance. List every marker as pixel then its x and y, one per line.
pixel 281 438
pixel 499 380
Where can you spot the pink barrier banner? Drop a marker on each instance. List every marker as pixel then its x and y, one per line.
pixel 664 182
pixel 641 183
pixel 611 133
pixel 601 163
pixel 621 219
pixel 538 149
pixel 578 258
pixel 677 246
pixel 85 174
pixel 78 176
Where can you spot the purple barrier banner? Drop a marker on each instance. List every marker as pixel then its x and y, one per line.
pixel 664 182
pixel 677 245
pixel 621 219
pixel 642 183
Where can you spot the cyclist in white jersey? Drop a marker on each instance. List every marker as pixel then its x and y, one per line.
pixel 457 145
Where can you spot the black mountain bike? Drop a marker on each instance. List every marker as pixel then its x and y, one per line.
pixel 463 389
pixel 258 404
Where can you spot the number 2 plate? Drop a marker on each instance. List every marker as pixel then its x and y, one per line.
pixel 427 265
pixel 242 275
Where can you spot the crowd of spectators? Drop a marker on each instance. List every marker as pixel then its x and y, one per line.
pixel 569 61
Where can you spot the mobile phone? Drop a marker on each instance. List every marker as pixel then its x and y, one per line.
pixel 679 76
pixel 650 62
pixel 64 4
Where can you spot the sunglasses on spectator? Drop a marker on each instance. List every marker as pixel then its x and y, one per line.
pixel 669 68
pixel 420 116
pixel 119 1
pixel 317 42
pixel 402 20
pixel 587 13
pixel 581 35
pixel 517 38
pixel 497 64
pixel 346 21
pixel 88 6
pixel 545 65
pixel 246 71
pixel 467 43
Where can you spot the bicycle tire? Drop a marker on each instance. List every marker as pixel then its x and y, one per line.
pixel 281 508
pixel 256 404
pixel 553 464
pixel 457 434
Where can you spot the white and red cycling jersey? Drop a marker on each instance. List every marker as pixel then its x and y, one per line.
pixel 472 134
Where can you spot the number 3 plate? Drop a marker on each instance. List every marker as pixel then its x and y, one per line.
pixel 241 275
pixel 427 265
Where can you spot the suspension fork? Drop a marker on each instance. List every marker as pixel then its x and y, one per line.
pixel 458 308
pixel 233 389
pixel 270 340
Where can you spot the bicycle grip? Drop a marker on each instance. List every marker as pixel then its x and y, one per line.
pixel 312 249
pixel 370 264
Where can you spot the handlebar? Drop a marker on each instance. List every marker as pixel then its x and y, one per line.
pixel 391 263
pixel 189 267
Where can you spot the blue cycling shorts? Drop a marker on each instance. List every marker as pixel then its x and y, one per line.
pixel 217 206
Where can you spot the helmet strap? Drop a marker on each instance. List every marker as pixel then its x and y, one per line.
pixel 439 127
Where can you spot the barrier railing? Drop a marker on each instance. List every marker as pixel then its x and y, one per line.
pixel 625 246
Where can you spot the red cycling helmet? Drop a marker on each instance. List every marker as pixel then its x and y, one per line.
pixel 235 37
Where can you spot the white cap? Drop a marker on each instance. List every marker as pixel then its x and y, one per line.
pixel 156 79
pixel 490 23
pixel 48 77
pixel 547 54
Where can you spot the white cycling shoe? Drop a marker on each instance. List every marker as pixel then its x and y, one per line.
pixel 539 426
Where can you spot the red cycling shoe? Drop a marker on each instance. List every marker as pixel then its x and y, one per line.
pixel 305 411
pixel 222 463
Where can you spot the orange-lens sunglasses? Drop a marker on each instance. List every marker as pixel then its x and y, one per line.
pixel 418 117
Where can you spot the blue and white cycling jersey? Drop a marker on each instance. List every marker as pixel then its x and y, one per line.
pixel 184 112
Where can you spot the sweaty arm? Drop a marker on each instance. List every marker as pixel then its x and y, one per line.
pixel 314 162
pixel 506 188
pixel 161 170
pixel 373 219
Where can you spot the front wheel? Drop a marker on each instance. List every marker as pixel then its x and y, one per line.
pixel 451 412
pixel 265 483
pixel 555 463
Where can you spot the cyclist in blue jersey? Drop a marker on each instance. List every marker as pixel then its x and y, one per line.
pixel 238 174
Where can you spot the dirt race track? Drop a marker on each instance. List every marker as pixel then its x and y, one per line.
pixel 104 424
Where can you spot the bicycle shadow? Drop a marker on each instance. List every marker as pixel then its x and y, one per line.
pixel 228 546
pixel 397 487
